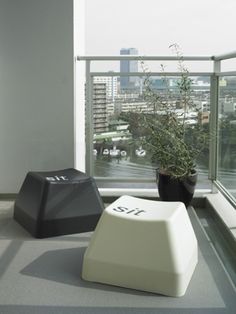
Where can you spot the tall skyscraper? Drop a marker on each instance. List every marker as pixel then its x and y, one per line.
pixel 128 82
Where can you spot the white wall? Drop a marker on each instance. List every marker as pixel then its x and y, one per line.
pixel 36 88
pixel 79 112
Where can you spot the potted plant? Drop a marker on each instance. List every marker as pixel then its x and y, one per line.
pixel 166 133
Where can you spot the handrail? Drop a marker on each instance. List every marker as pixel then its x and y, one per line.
pixel 105 73
pixel 220 57
pixel 227 73
pixel 144 58
pixel 225 56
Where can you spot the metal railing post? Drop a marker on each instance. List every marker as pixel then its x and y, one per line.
pixel 88 119
pixel 214 103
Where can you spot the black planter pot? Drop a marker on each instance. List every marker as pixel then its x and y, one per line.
pixel 171 189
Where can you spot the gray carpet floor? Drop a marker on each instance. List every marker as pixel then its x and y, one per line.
pixel 44 276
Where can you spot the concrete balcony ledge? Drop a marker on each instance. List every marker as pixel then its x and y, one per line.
pixel 142 192
pixel 224 210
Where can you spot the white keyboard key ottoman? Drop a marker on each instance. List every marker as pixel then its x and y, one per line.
pixel 144 245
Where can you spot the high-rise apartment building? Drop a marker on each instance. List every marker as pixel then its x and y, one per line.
pixel 99 108
pixel 128 82
pixel 111 85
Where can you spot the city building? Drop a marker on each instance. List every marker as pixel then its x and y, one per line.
pixel 110 109
pixel 118 125
pixel 135 107
pixel 204 117
pixel 99 108
pixel 127 66
pixel 229 107
pixel 202 105
pixel 111 85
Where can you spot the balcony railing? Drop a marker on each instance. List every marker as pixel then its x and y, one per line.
pixel 219 94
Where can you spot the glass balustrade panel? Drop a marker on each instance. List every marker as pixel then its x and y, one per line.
pixel 118 104
pixel 227 133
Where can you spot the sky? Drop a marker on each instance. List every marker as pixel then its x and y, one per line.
pixel 200 27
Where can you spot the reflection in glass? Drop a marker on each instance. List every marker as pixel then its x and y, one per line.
pixel 227 133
